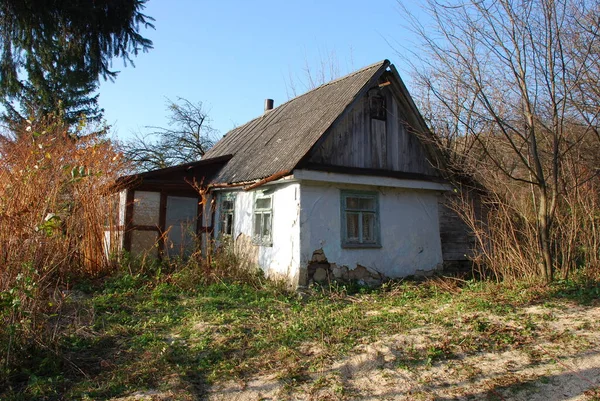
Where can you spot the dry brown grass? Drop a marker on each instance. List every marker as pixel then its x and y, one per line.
pixel 506 234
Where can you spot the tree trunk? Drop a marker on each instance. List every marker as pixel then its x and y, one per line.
pixel 544 222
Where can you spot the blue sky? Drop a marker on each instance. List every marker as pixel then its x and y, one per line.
pixel 233 54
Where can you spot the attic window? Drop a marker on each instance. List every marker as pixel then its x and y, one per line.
pixel 377 106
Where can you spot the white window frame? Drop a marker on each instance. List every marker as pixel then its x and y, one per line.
pixel 359 242
pixel 262 239
pixel 223 213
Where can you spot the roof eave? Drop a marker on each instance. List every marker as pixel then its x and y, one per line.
pixel 186 166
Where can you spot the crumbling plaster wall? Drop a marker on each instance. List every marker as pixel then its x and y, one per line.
pixel 410 238
pixel 282 258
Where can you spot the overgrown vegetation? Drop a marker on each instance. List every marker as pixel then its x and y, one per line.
pixel 172 330
pixel 72 330
pixel 54 207
pixel 74 323
pixel 506 88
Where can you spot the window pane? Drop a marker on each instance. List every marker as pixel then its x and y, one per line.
pixel 227 204
pixel 181 220
pixel 266 225
pixel 257 224
pixel 377 106
pixel 368 227
pixel 146 207
pixel 361 220
pixel 228 224
pixel 352 202
pixel 144 242
pixel 263 203
pixel 352 226
pixel 366 204
pixel 360 203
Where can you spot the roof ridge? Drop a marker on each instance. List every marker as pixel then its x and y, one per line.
pixel 349 75
pixel 279 139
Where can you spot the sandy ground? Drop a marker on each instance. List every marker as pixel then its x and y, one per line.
pixel 562 363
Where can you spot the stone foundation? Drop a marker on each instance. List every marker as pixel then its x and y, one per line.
pixel 319 270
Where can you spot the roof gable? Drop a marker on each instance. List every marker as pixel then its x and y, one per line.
pixel 279 139
pixel 394 141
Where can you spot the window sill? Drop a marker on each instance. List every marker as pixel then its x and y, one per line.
pixel 262 243
pixel 356 245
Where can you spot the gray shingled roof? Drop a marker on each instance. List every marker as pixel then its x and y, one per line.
pixel 280 138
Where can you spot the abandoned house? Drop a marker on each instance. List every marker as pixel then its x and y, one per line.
pixel 338 183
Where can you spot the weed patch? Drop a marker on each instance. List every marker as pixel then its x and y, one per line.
pixel 128 332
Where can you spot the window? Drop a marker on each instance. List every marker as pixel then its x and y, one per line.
pixel 377 107
pixel 360 219
pixel 146 207
pixel 263 220
pixel 227 214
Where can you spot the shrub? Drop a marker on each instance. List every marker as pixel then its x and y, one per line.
pixel 54 203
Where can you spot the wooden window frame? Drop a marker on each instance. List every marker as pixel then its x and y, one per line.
pixel 160 227
pixel 377 109
pixel 256 239
pixel 224 212
pixel 360 243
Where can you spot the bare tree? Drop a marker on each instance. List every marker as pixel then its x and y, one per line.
pixel 505 85
pixel 326 69
pixel 188 137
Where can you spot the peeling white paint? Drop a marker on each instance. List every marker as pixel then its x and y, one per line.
pixel 307 217
pixel 282 258
pixel 410 239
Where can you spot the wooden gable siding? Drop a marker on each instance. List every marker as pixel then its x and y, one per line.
pixel 459 243
pixel 357 140
pixel 456 237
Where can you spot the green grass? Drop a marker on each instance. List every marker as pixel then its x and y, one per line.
pixel 134 332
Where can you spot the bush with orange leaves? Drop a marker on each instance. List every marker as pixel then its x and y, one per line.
pixel 55 205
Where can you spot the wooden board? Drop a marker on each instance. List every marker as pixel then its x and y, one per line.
pixel 357 140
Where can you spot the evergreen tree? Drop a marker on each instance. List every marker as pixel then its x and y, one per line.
pixel 52 53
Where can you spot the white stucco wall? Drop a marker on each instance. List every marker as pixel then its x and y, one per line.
pixel 409 225
pixel 307 217
pixel 282 258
